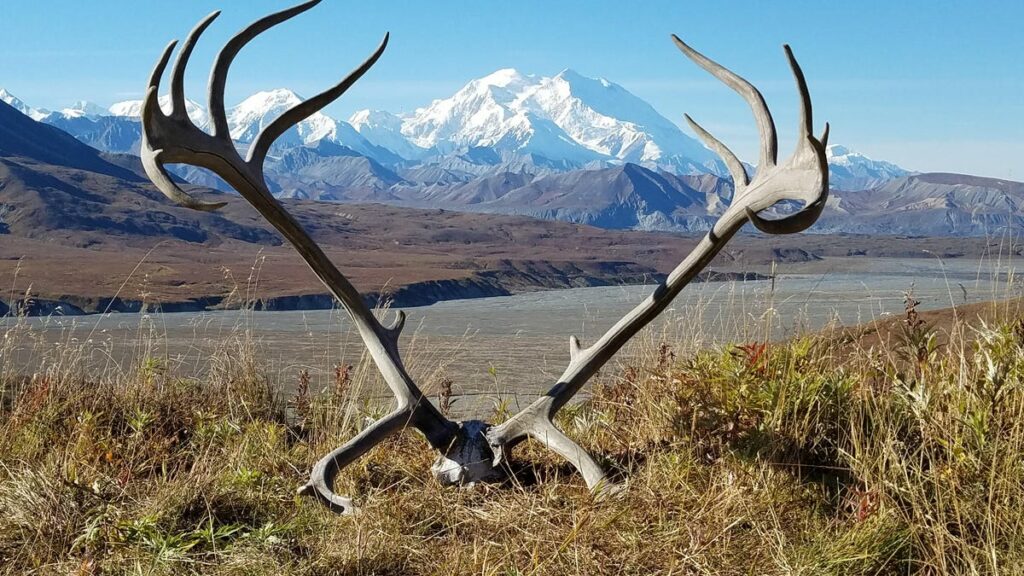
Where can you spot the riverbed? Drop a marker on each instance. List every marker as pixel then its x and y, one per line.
pixel 509 347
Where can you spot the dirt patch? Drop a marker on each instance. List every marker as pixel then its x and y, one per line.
pixel 950 325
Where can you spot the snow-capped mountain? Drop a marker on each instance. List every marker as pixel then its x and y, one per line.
pixel 133 109
pixel 568 119
pixel 505 122
pixel 608 119
pixel 338 161
pixel 490 113
pixel 83 109
pixel 17 104
pixel 851 170
pixel 248 118
pixel 385 129
pixel 259 110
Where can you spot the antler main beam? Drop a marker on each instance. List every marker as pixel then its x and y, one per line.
pixel 173 138
pixel 802 177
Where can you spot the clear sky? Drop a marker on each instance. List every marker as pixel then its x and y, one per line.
pixel 931 85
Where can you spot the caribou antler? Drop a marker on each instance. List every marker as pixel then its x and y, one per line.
pixel 803 177
pixel 470 450
pixel 173 138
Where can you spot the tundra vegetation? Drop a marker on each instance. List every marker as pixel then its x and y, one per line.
pixel 888 449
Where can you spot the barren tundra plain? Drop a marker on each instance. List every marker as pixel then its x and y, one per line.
pixel 415 256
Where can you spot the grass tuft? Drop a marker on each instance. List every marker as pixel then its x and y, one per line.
pixel 814 455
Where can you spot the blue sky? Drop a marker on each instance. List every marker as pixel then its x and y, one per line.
pixel 931 85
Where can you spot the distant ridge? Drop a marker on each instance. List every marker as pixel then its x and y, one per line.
pixel 20 136
pixel 52 186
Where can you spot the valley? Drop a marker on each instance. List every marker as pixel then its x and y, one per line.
pixel 465 198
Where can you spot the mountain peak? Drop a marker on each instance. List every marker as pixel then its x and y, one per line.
pixel 838 154
pixel 16 103
pixel 572 76
pixel 133 109
pixel 282 94
pixel 83 108
pixel 834 150
pixel 11 100
pixel 384 129
pixel 851 170
pixel 568 118
pixel 502 78
pixel 267 100
pixel 256 112
pixel 367 116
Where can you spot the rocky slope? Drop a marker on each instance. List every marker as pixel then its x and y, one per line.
pixel 53 186
pixel 930 204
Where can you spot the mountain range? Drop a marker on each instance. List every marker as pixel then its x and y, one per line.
pixel 504 122
pixel 565 147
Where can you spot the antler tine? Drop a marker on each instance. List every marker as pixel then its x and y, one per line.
pixel 806 111
pixel 158 71
pixel 736 170
pixel 261 145
pixel 178 109
pixel 321 479
pixel 219 73
pixel 763 117
pixel 545 432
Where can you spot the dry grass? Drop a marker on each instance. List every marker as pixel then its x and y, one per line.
pixel 813 456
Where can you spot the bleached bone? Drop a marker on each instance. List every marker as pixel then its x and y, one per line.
pixel 471 450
